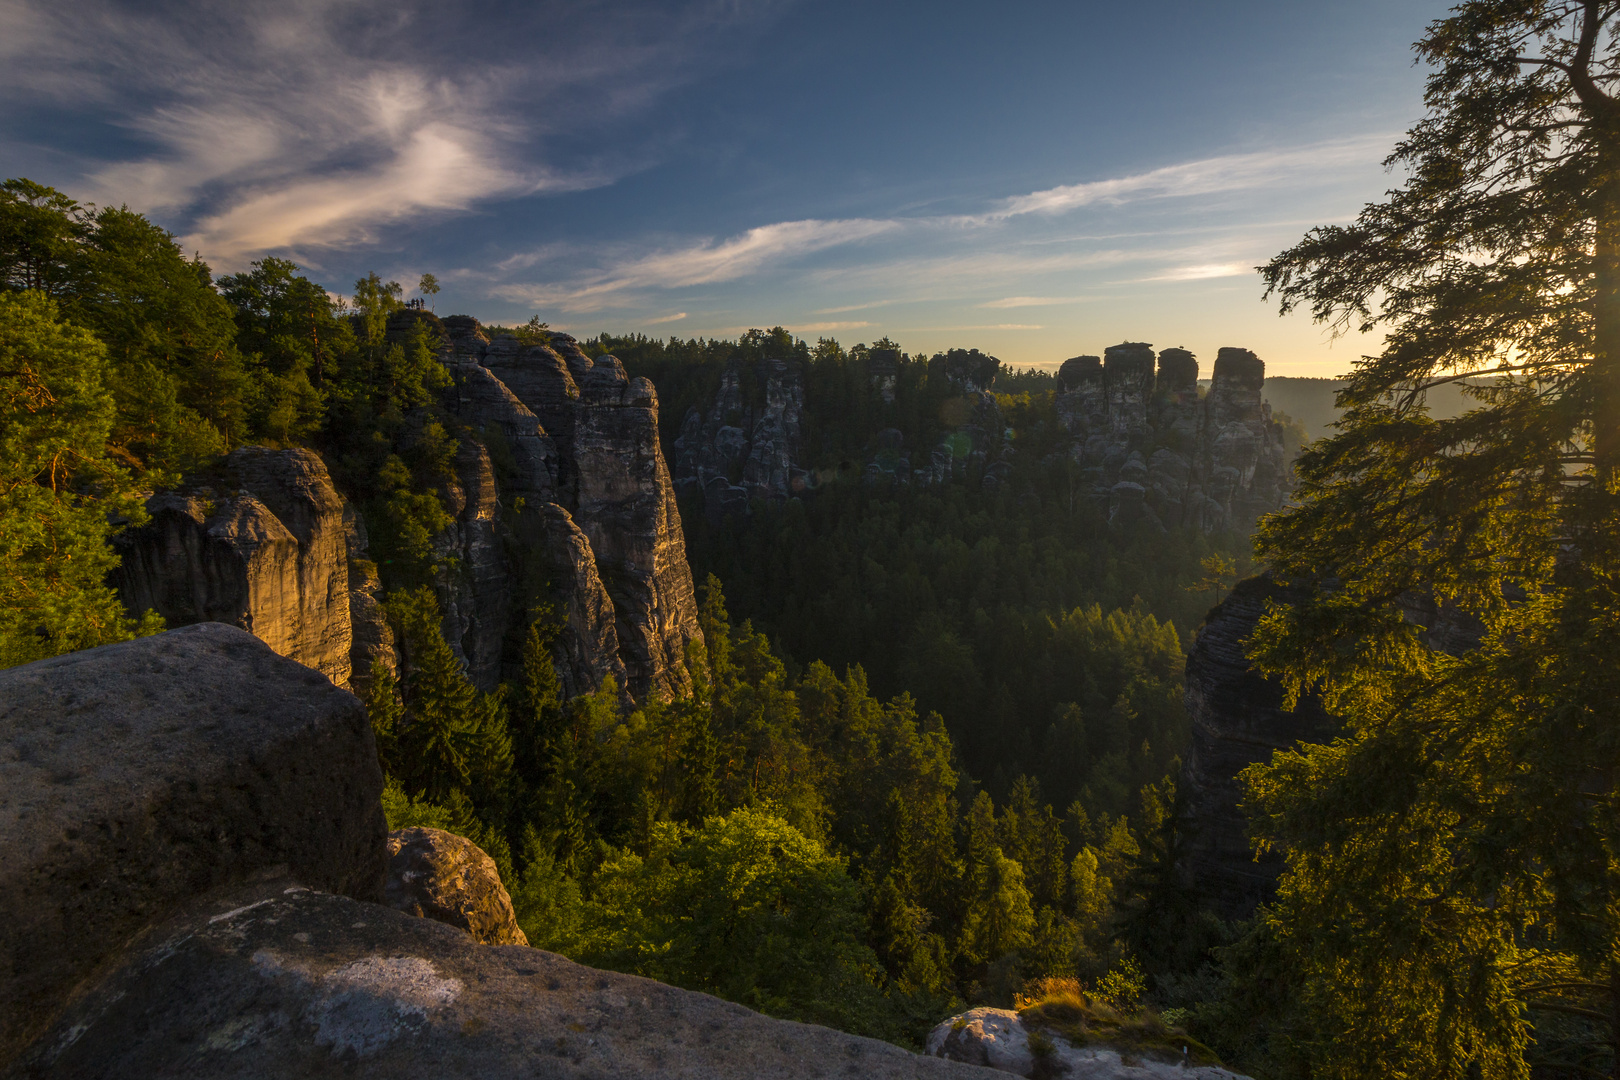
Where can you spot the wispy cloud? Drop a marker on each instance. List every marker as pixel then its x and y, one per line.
pixel 314 123
pixel 1232 172
pixel 1032 301
pixel 824 327
pixel 702 263
pixel 855 307
pixel 677 317
pixel 982 326
pixel 1205 271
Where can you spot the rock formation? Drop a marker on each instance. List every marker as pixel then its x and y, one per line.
pixel 579 510
pixel 1150 448
pixel 135 776
pixel 740 450
pixel 588 502
pixel 752 446
pixel 182 817
pixel 999 1039
pixel 1237 719
pixel 264 546
pixel 438 875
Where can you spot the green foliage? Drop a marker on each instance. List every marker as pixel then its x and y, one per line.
pixel 1452 902
pixel 749 908
pixel 449 736
pixel 999 917
pixel 58 488
pixel 984 613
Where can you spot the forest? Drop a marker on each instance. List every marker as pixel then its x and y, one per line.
pixel 824 829
pixel 929 757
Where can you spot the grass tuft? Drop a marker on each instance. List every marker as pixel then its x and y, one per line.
pixel 1061 1007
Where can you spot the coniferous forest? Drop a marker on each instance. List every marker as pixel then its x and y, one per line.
pixel 931 754
pixel 952 784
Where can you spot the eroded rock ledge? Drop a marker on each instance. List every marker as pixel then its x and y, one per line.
pixel 136 776
pixel 181 815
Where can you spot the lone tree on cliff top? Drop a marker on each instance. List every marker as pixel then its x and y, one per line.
pixel 1452 901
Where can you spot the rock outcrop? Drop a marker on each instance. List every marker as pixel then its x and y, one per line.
pixel 136 776
pixel 1152 449
pixel 263 546
pixel 438 875
pixel 592 507
pixel 274 980
pixel 999 1039
pixel 741 450
pixel 558 494
pixel 1237 719
pixel 752 445
pixel 181 817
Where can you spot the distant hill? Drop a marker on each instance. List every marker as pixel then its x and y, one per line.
pixel 1311 401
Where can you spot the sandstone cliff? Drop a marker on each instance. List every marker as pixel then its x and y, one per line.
pixel 587 501
pixel 1237 719
pixel 1151 448
pixel 264 546
pixel 558 494
pixel 753 446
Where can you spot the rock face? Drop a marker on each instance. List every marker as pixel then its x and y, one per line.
pixel 1151 449
pixel 1237 719
pixel 751 446
pixel 438 875
pixel 738 450
pixel 559 495
pixel 998 1039
pixel 275 980
pixel 135 776
pixel 265 548
pixel 597 517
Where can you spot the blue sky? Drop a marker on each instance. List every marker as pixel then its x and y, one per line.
pixel 1033 179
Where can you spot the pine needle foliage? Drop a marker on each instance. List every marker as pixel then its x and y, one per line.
pixel 1452 901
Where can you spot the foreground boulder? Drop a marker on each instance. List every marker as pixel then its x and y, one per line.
pixel 137 776
pixel 446 877
pixel 273 980
pixel 180 817
pixel 1000 1039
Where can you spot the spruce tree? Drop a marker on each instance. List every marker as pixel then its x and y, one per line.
pixel 1452 898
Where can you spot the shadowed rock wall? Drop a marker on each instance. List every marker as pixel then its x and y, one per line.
pixel 1237 719
pixel 135 776
pixel 1151 448
pixel 598 519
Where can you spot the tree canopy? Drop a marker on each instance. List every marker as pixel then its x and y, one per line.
pixel 1452 901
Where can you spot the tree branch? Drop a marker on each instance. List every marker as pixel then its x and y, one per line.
pixel 1572 1010
pixel 1580 69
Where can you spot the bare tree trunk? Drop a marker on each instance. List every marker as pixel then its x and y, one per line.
pixel 1606 337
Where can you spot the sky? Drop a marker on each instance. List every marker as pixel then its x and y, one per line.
pixel 1037 180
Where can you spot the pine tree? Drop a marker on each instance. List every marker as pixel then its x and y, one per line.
pixel 58 487
pixel 999 917
pixel 1452 897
